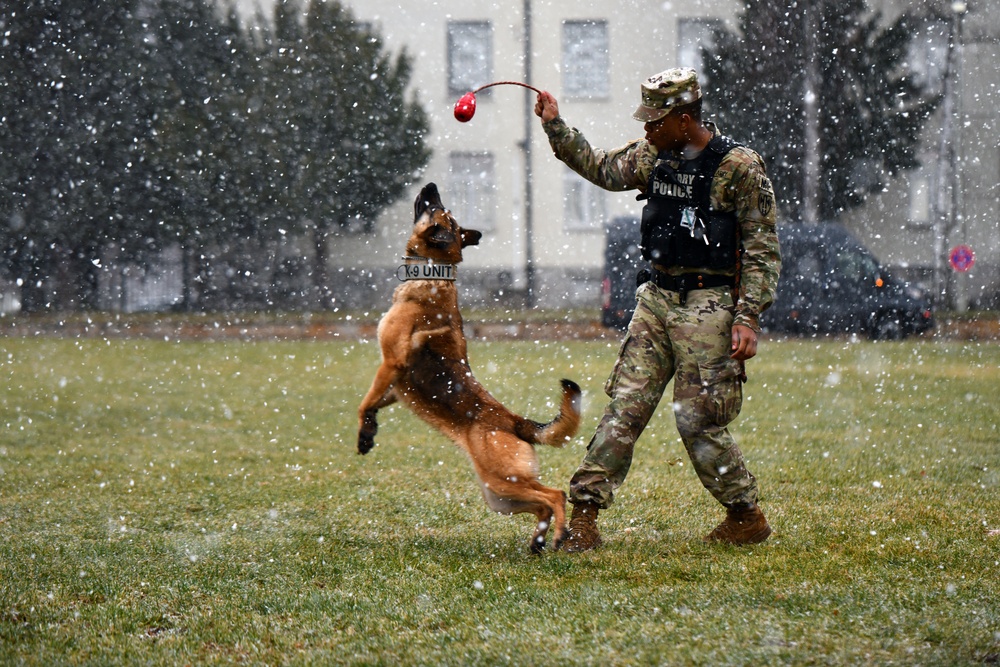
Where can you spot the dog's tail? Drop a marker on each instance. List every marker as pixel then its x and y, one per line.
pixel 561 429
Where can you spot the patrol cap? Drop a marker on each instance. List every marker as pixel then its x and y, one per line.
pixel 666 90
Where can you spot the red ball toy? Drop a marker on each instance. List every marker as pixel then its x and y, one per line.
pixel 465 108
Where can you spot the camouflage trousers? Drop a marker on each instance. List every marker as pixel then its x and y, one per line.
pixel 691 344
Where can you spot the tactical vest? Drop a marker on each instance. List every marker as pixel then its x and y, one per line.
pixel 679 227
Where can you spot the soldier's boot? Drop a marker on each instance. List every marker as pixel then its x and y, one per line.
pixel 744 524
pixel 583 533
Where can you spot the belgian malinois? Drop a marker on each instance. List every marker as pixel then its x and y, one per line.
pixel 425 366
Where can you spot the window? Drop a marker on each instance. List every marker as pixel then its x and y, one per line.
pixel 920 198
pixel 584 204
pixel 928 55
pixel 694 35
pixel 470 55
pixel 471 192
pixel 586 61
pixel 856 267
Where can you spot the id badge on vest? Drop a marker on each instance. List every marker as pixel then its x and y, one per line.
pixel 688 218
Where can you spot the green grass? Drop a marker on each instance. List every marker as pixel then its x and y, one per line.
pixel 172 503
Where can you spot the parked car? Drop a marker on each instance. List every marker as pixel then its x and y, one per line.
pixel 831 283
pixel 622 261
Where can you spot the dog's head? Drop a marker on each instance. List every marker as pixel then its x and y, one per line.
pixel 436 234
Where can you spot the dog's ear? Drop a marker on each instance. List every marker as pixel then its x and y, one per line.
pixel 470 237
pixel 428 198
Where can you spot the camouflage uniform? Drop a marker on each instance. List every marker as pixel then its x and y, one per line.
pixel 690 341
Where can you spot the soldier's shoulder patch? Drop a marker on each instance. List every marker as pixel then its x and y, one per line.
pixel 765 203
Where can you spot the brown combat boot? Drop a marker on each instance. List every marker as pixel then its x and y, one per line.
pixel 583 533
pixel 744 524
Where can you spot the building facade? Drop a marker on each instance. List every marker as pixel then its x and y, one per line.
pixel 544 227
pixel 953 199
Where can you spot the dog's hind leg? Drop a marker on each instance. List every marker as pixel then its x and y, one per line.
pixel 544 516
pixel 552 516
pixel 514 496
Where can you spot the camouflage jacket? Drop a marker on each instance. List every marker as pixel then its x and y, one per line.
pixel 740 184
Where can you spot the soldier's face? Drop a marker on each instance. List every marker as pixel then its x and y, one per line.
pixel 670 133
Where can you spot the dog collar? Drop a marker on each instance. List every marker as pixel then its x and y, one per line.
pixel 422 268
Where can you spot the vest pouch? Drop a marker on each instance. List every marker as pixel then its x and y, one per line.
pixel 656 242
pixel 721 250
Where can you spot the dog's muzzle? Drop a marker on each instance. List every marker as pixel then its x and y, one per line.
pixel 441 237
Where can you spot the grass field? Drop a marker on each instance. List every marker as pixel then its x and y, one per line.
pixel 170 503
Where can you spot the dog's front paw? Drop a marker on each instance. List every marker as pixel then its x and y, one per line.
pixel 365 442
pixel 366 434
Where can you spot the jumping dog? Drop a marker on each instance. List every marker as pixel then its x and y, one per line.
pixel 425 366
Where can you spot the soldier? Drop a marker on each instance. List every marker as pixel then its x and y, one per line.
pixel 708 230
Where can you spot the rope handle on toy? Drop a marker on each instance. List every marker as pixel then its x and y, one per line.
pixel 506 83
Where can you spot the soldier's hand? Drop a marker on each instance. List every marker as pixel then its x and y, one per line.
pixel 546 107
pixel 744 343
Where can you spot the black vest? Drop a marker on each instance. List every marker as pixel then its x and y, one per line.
pixel 679 227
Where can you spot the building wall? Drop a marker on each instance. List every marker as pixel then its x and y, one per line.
pixel 643 38
pixel 900 225
pixel 567 261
